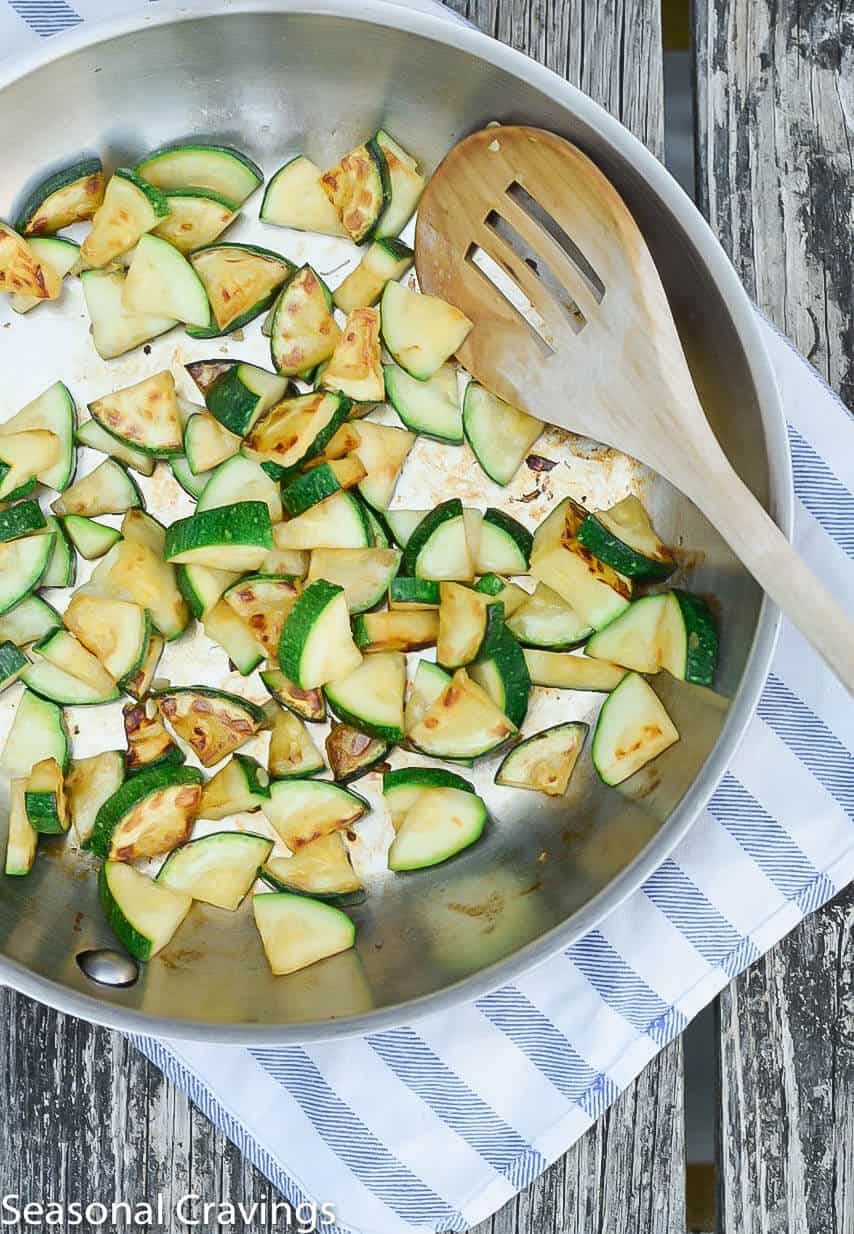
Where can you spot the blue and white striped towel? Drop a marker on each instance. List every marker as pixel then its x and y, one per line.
pixel 434 1127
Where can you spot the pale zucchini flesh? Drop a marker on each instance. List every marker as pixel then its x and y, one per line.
pixel 633 728
pixel 371 697
pixel 544 762
pixel 499 434
pixel 160 279
pixel 295 198
pixel 297 931
pixel 364 573
pixel 421 332
pixel 54 411
pixel 439 824
pixel 141 913
pixel 292 751
pixel 383 451
pixel 89 783
pixel 463 722
pixel 217 869
pixel 563 671
pixel 114 328
pixel 305 810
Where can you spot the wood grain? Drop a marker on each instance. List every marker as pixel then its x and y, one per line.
pixel 87 1117
pixel 775 99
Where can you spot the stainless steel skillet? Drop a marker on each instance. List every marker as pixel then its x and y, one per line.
pixel 276 79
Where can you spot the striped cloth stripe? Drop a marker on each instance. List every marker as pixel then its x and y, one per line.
pixel 580 1028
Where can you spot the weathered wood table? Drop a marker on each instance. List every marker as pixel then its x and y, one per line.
pixel 85 1116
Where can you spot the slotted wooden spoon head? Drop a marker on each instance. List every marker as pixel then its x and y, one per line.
pixel 555 227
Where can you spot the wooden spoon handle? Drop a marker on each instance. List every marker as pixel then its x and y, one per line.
pixel 777 567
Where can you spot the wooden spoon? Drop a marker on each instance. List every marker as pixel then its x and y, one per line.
pixel 612 366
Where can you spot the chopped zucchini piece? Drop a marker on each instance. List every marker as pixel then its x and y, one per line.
pixel 54 411
pixel 427 684
pixel 69 196
pixel 633 639
pixel 318 483
pixel 292 751
pixel 240 787
pixel 511 595
pixel 142 914
pixel 263 602
pixel 115 330
pixel 625 539
pixel 339 521
pixel 596 592
pixel 137 684
pixel 241 394
pixel 633 728
pixel 29 621
pixel 297 931
pixel 37 732
pixel 160 279
pixel 303 332
pixel 501 669
pixel 545 620
pixel 355 368
pixel 383 451
pixel 22 839
pixel 23 519
pixel 22 457
pixel 206 373
pixel 364 573
pixel 383 261
pixel 22 566
pixel 130 208
pixel 431 407
pixel 309 704
pixel 90 538
pixel 406 184
pixel 570 672
pixel 183 473
pixel 62 567
pixel 58 254
pixel 396 630
pixel 237 640
pixel 92 435
pixel 237 481
pixel 440 823
pixel 411 594
pixel 203 586
pixel 116 632
pixel 421 332
pixel 504 545
pixel 360 190
pixel 463 722
pixel 294 198
pixel 22 271
pixel 106 490
pixel 371 697
pixel 316 645
pixel 197 217
pixel 352 752
pixel 234 537
pixel 214 723
pixel 143 416
pixel 217 869
pixel 44 798
pixel 134 571
pixel 546 761
pixel 89 783
pixel 142 528
pixel 438 547
pixel 688 638
pixel 241 282
pixel 207 443
pixel 500 435
pixel 61 650
pixel 148 743
pixel 320 869
pixel 201 165
pixel 296 429
pixel 305 810
pixel 462 624
pixel 151 813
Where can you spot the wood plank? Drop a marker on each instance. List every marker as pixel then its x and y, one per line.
pixel 96 1118
pixel 774 142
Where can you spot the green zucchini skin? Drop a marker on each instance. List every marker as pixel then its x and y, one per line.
pixel 12 663
pixel 313 601
pixel 424 777
pixel 133 791
pixel 137 944
pixel 490 584
pixel 211 527
pixel 308 489
pixel 501 649
pixel 608 547
pixel 21 520
pixel 409 590
pixel 513 529
pixel 422 533
pixel 701 638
